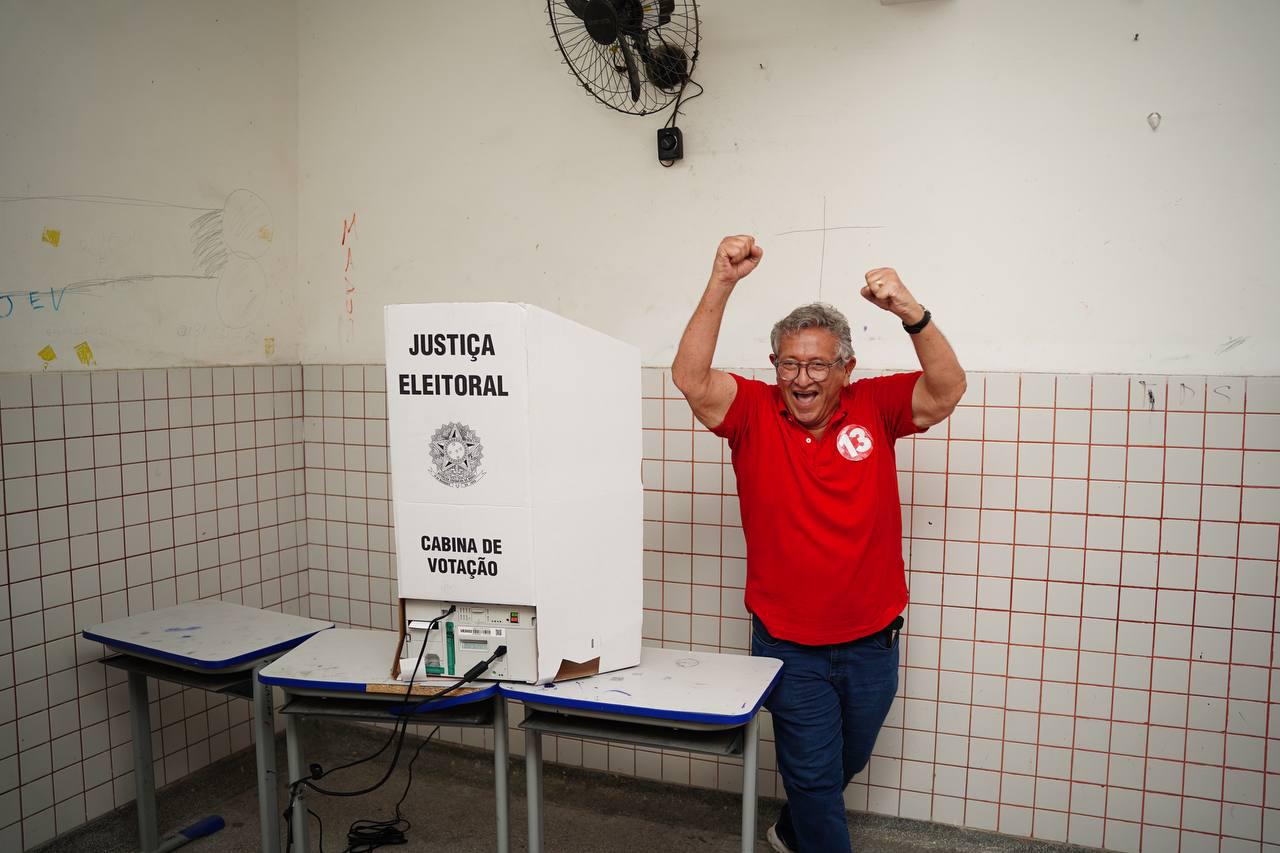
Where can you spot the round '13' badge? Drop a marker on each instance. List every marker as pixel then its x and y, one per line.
pixel 854 442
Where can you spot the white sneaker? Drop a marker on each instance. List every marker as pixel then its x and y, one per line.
pixel 776 842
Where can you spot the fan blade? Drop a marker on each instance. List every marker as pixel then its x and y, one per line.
pixel 633 73
pixel 578 7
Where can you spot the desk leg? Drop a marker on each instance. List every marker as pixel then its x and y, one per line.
pixel 144 776
pixel 265 744
pixel 533 780
pixel 297 770
pixel 501 751
pixel 750 767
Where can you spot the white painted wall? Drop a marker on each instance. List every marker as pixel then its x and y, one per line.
pixel 1000 148
pixel 121 124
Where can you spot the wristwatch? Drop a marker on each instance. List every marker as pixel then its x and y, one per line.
pixel 915 328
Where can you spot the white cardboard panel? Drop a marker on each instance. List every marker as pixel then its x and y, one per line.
pixel 444 572
pixel 584 388
pixel 558 482
pixel 478 443
pixel 591 603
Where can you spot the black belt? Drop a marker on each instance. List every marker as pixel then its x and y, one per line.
pixel 889 632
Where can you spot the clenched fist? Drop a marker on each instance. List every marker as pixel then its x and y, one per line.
pixel 887 291
pixel 736 257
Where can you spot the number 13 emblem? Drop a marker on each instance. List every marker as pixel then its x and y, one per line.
pixel 854 442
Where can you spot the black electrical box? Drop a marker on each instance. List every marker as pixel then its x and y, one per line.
pixel 670 144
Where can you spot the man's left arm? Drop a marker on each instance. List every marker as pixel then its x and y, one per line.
pixel 942 384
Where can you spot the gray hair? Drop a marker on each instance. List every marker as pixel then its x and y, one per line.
pixel 816 315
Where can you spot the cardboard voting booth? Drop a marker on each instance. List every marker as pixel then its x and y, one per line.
pixel 515 471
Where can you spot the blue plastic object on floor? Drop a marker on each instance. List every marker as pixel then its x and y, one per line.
pixel 199 829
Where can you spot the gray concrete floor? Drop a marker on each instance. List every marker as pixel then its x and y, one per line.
pixel 451 808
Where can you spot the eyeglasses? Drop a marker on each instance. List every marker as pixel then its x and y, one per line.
pixel 789 369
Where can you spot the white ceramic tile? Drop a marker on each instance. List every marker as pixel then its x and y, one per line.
pixel 1110 392
pixel 1262 431
pixel 1000 424
pixel 999 457
pixel 1146 428
pixel 1147 393
pixel 1109 427
pixel 1225 394
pixel 1145 464
pixel 1073 391
pixel 967 422
pixel 154 384
pixel 1037 390
pixel 1220 503
pixel 17 424
pixel 1261 468
pixel 1107 463
pixel 1002 389
pixel 1261 505
pixel 1035 460
pixel 1223 467
pixel 1224 430
pixel 52 490
pixel 20 494
pixel 15 390
pixel 1184 429
pixel 46 389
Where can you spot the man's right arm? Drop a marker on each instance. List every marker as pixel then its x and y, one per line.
pixel 710 392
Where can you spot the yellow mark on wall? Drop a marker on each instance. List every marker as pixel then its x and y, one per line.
pixel 47 355
pixel 269 346
pixel 52 236
pixel 84 352
pixel 265 233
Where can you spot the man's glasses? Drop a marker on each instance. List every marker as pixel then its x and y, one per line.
pixel 789 369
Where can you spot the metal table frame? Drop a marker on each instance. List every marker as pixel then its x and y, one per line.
pixel 216 646
pixel 241 682
pixel 488 711
pixel 741 739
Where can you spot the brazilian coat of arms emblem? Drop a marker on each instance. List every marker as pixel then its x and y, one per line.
pixel 456 454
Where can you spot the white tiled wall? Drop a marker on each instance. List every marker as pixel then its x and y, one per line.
pixel 1090 649
pixel 1091 642
pixel 123 492
pixel 349 544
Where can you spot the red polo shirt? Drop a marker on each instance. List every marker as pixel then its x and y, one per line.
pixel 822 518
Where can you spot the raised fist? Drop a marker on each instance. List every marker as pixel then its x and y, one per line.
pixel 886 290
pixel 736 257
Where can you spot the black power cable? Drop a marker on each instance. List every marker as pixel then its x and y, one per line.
pixel 675 112
pixel 366 835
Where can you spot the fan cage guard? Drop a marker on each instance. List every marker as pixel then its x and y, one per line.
pixel 603 68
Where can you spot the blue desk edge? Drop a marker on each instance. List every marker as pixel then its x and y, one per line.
pixel 523 693
pixel 121 645
pixel 475 695
pixel 544 697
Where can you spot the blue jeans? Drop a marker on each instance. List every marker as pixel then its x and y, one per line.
pixel 827 709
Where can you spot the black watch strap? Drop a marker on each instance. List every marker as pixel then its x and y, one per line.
pixel 915 328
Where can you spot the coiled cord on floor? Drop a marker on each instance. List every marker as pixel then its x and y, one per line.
pixel 365 835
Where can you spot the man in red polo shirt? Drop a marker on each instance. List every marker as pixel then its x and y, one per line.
pixel 817 482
